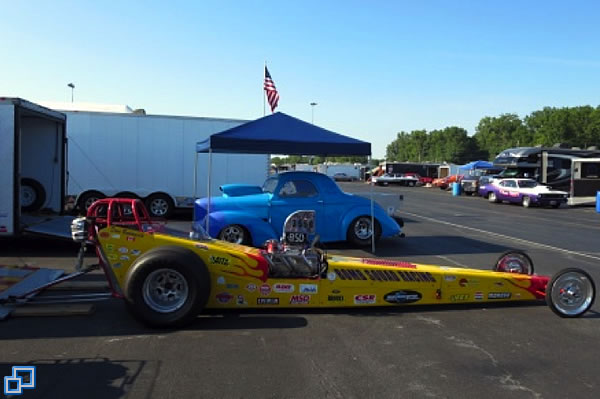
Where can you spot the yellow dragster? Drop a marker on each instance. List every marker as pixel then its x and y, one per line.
pixel 167 278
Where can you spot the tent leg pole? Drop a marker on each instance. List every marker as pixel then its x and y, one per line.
pixel 372 216
pixel 196 177
pixel 208 191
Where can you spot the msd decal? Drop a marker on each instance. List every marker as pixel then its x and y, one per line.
pixel 308 288
pixel 283 288
pixel 224 297
pixel 300 300
pixel 265 289
pixel 402 297
pixel 365 299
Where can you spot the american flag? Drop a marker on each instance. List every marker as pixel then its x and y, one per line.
pixel 271 91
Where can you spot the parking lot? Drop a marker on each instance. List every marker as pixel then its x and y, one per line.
pixel 518 351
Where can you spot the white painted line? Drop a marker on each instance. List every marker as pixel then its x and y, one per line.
pixel 533 243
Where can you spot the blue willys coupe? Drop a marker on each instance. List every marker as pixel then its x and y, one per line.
pixel 251 215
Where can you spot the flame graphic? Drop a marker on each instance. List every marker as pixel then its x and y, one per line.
pixel 259 271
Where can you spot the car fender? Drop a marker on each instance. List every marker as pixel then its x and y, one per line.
pixel 389 227
pixel 260 230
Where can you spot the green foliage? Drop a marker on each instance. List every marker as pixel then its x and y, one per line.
pixel 576 127
pixel 314 160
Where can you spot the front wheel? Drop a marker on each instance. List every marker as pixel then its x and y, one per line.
pixel 570 293
pixel 526 202
pixel 492 197
pixel 360 231
pixel 236 234
pixel 167 287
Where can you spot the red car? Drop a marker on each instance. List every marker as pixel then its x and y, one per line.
pixel 422 180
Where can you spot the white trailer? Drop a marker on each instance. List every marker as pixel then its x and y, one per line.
pixel 352 170
pixel 151 157
pixel 32 176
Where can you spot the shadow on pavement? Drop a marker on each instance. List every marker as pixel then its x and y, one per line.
pixel 85 378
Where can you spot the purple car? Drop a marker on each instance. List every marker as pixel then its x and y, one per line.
pixel 522 191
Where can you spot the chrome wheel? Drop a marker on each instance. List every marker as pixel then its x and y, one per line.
pixel 159 207
pixel 165 290
pixel 572 293
pixel 492 197
pixel 526 202
pixel 233 233
pixel 28 196
pixel 89 201
pixel 362 228
pixel 514 262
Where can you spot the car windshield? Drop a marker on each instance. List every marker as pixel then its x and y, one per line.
pixel 527 183
pixel 269 185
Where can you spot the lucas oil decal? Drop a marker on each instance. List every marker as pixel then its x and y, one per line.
pixel 308 288
pixel 402 297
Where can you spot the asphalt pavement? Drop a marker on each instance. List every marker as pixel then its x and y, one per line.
pixel 518 351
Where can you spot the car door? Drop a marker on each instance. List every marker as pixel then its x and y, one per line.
pixel 294 195
pixel 502 192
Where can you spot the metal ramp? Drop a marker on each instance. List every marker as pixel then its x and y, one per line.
pixel 48 225
pixel 17 281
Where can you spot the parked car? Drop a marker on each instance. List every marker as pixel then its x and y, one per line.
pixel 252 215
pixel 470 183
pixel 422 179
pixel 398 178
pixel 341 176
pixel 527 192
pixel 445 183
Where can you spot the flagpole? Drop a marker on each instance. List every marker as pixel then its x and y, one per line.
pixel 263 90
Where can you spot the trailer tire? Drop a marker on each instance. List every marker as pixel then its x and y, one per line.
pixel 167 287
pixel 87 199
pixel 32 196
pixel 160 205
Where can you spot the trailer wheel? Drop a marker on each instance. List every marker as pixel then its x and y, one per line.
pixel 167 287
pixel 87 199
pixel 160 205
pixel 360 231
pixel 514 261
pixel 33 195
pixel 570 293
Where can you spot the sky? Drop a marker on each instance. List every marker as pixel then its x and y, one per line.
pixel 374 68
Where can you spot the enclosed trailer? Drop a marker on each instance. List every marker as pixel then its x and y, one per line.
pixel 33 159
pixel 151 157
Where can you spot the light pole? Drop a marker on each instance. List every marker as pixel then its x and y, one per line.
pixel 72 86
pixel 313 112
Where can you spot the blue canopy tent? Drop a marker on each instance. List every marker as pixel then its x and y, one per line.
pixel 477 165
pixel 280 133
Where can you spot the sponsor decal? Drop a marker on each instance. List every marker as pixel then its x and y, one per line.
pixel 365 299
pixel 116 265
pixel 116 236
pixel 112 257
pixel 240 300
pixel 331 276
pixel 299 299
pixel 224 297
pixel 135 252
pixel 110 247
pixel 104 234
pixel 130 238
pixel 459 297
pixel 384 262
pixel 267 301
pixel 335 298
pixel 308 288
pixel 463 282
pixel 232 286
pixel 335 291
pixel 265 289
pixel 450 278
pixel 123 250
pixel 124 257
pixel 283 288
pixel 499 295
pixel 499 284
pixel 403 296
pixel 219 260
pixel 201 246
pixel 221 280
pixel 478 296
pixel 251 287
